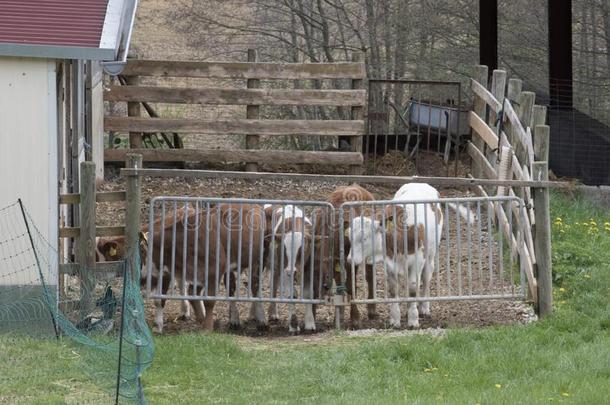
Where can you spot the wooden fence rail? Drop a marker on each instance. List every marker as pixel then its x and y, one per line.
pixel 498 127
pixel 351 99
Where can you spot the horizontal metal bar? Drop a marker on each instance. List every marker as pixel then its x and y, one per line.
pixel 218 200
pixel 434 181
pixel 447 298
pixel 432 201
pixel 234 299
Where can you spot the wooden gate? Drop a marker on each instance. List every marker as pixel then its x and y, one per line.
pixel 253 125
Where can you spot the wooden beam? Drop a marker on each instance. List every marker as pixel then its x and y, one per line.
pixel 233 70
pixel 542 241
pixel 103 231
pixel 482 130
pixel 482 161
pixel 85 247
pixel 396 180
pixel 238 156
pixel 480 110
pixel 72 269
pixel 357 112
pixel 216 96
pixel 237 126
pixel 103 196
pixel 485 95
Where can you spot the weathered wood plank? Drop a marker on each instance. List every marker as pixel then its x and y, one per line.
pixel 216 96
pixel 103 231
pixel 252 113
pixel 485 95
pixel 357 112
pixel 518 131
pixel 103 196
pixel 482 162
pixel 237 127
pixel 482 130
pixel 239 155
pixel 542 241
pixel 240 70
pixel 396 180
pixel 479 109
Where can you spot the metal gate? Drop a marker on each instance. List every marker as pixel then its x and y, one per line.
pixel 236 249
pixel 473 260
pixel 240 250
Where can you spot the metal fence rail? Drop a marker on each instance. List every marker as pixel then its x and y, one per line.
pixel 306 252
pixel 469 259
pixel 236 249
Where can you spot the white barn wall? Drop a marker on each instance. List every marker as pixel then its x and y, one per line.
pixel 28 139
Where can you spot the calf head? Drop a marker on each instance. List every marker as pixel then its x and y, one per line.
pixel 366 240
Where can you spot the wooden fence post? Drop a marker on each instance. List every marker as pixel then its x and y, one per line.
pixel 480 109
pixel 542 239
pixel 86 240
pixel 357 113
pixel 132 215
pixel 133 110
pixel 253 113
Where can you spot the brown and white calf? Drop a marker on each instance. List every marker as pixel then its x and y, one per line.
pixel 212 239
pixel 339 196
pixel 419 228
pixel 289 232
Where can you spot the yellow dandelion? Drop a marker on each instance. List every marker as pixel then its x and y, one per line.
pixel 606 223
pixel 587 276
pixel 561 289
pixel 427 370
pixel 558 219
pixel 498 386
pixel 562 302
pixel 565 394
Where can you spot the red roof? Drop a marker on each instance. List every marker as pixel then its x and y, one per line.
pixel 76 23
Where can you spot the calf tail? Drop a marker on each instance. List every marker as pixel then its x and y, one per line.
pixel 467 215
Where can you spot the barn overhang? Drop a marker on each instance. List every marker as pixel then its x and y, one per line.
pixel 68 29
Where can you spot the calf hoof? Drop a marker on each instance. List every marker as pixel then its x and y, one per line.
pixel 425 315
pixel 157 330
pixel 413 325
pixel 183 318
pixel 373 316
pixel 262 327
pixel 234 326
pixel 354 324
pixel 274 320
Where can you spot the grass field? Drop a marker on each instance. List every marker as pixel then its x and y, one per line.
pixel 565 358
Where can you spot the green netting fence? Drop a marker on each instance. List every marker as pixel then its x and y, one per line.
pixel 102 321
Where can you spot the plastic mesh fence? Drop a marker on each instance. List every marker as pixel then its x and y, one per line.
pixel 103 319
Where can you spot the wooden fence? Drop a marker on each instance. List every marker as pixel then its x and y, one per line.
pixel 510 142
pixel 253 96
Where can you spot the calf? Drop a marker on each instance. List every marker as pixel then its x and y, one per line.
pixel 339 196
pixel 419 229
pixel 290 233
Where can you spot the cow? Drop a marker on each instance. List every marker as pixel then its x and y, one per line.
pixel 290 245
pixel 220 232
pixel 339 196
pixel 419 229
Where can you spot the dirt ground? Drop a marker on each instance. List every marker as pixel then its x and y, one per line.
pixel 444 314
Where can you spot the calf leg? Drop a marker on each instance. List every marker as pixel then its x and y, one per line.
pixel 395 306
pixel 184 305
pixel 197 305
pixel 273 314
pixel 234 322
pixel 352 290
pixel 257 310
pixel 371 309
pixel 158 321
pixel 424 306
pixel 414 278
pixel 310 320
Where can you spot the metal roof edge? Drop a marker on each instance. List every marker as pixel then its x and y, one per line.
pixel 115 65
pixel 111 30
pixel 56 52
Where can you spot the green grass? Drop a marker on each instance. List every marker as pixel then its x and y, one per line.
pixel 564 358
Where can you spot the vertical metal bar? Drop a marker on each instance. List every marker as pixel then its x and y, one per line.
pixel 149 250
pixel 302 274
pixel 184 245
pixel 458 134
pixel 480 245
pixel 273 247
pixel 351 234
pixel 448 260
pixel 282 252
pixel 469 233
pixel 172 281
pixel 219 225
pixel 459 250
pixel 490 243
pixel 437 256
pixel 250 250
pixel 416 241
pixel 510 255
pixel 228 249
pixel 162 247
pixel 314 219
pixel 240 235
pixel 196 250
pixel 341 262
pixel 261 259
pixel 207 245
pixel 501 249
pixel 397 221
pixel 383 243
pixel 522 246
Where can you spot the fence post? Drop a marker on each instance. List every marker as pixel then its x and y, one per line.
pixel 480 109
pixel 253 113
pixel 133 110
pixel 86 240
pixel 132 215
pixel 357 113
pixel 542 239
